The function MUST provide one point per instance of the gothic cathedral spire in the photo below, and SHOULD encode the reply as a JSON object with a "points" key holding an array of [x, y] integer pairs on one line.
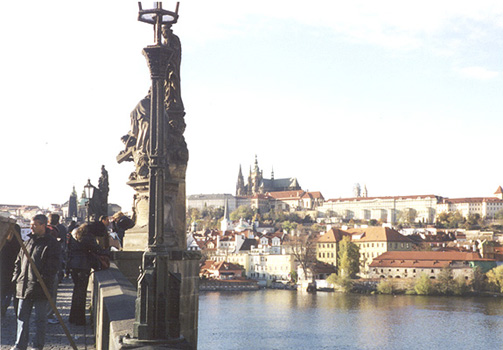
{"points": [[240, 185]]}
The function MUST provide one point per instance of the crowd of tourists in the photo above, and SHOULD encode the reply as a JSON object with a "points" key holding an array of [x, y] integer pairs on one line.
{"points": [[31, 270]]}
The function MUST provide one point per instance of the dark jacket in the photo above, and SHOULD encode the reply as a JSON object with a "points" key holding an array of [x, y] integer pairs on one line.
{"points": [[8, 256], [78, 252], [121, 225], [45, 252]]}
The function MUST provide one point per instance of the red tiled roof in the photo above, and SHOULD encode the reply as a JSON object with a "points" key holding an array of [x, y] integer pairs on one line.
{"points": [[226, 266], [313, 195], [423, 259], [378, 234], [470, 200], [333, 235], [384, 197], [261, 196], [499, 190], [286, 194], [321, 267]]}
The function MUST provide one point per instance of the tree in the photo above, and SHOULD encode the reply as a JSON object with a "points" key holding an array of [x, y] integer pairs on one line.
{"points": [[408, 216], [478, 281], [244, 211], [459, 287], [210, 217], [348, 258], [499, 214], [288, 226], [307, 219], [303, 249], [445, 283], [317, 228], [332, 279], [449, 220], [423, 285], [474, 221], [495, 277], [342, 283], [193, 214], [385, 287]]}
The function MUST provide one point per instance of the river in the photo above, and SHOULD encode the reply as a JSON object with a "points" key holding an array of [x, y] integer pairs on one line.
{"points": [[280, 319]]}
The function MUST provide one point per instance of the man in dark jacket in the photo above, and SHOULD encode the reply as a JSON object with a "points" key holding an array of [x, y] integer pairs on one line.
{"points": [[44, 250]]}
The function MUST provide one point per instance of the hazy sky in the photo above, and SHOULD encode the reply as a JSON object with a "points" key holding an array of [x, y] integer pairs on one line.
{"points": [[404, 97]]}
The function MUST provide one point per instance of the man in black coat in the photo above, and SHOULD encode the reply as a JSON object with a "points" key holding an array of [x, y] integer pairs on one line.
{"points": [[45, 251]]}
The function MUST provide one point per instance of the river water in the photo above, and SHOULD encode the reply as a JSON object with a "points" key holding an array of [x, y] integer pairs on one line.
{"points": [[280, 319]]}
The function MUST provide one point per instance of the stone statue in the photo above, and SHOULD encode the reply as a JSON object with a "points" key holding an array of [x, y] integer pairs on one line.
{"points": [[176, 147], [175, 152], [104, 189], [138, 139]]}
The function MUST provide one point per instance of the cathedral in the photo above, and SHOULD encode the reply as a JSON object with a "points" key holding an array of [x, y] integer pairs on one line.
{"points": [[256, 183]]}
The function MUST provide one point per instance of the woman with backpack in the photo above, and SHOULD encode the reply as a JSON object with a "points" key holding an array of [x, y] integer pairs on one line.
{"points": [[82, 243]]}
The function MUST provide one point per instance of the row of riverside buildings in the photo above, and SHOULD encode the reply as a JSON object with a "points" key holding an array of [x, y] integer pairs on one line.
{"points": [[269, 256]]}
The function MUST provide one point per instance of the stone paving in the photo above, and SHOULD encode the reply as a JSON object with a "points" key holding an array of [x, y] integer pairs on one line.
{"points": [[55, 337]]}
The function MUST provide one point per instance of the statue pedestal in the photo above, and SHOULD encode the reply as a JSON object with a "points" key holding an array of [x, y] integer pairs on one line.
{"points": [[136, 238], [166, 306]]}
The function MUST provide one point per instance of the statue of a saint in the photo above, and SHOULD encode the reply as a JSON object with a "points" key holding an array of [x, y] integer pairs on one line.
{"points": [[137, 139]]}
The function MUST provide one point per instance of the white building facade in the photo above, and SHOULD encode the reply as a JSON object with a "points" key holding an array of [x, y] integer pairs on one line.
{"points": [[385, 209]]}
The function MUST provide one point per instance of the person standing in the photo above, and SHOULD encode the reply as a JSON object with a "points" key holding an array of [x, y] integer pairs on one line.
{"points": [[104, 224], [7, 259], [44, 251], [60, 230], [121, 223], [81, 244]]}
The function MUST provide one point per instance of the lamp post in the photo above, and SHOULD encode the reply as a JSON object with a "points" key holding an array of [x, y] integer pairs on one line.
{"points": [[89, 191], [166, 306], [157, 315]]}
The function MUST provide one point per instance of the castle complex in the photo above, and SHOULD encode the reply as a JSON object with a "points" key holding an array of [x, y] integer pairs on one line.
{"points": [[257, 184]]}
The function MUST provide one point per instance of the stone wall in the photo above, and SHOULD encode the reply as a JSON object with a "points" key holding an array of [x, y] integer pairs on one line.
{"points": [[114, 297], [113, 303]]}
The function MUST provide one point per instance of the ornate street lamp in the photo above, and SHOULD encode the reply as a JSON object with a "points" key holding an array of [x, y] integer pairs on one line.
{"points": [[89, 191], [167, 294]]}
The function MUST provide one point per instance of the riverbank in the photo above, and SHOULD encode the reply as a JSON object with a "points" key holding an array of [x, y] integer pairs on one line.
{"points": [[227, 285]]}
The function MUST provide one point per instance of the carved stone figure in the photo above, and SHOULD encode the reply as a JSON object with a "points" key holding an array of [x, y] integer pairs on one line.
{"points": [[175, 152], [138, 138], [103, 187]]}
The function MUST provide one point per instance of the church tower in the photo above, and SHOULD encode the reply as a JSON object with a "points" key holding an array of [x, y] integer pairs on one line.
{"points": [[499, 192], [365, 193], [225, 224], [256, 178], [240, 185]]}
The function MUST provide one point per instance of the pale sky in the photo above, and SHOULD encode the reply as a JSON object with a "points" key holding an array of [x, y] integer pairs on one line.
{"points": [[403, 97]]}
